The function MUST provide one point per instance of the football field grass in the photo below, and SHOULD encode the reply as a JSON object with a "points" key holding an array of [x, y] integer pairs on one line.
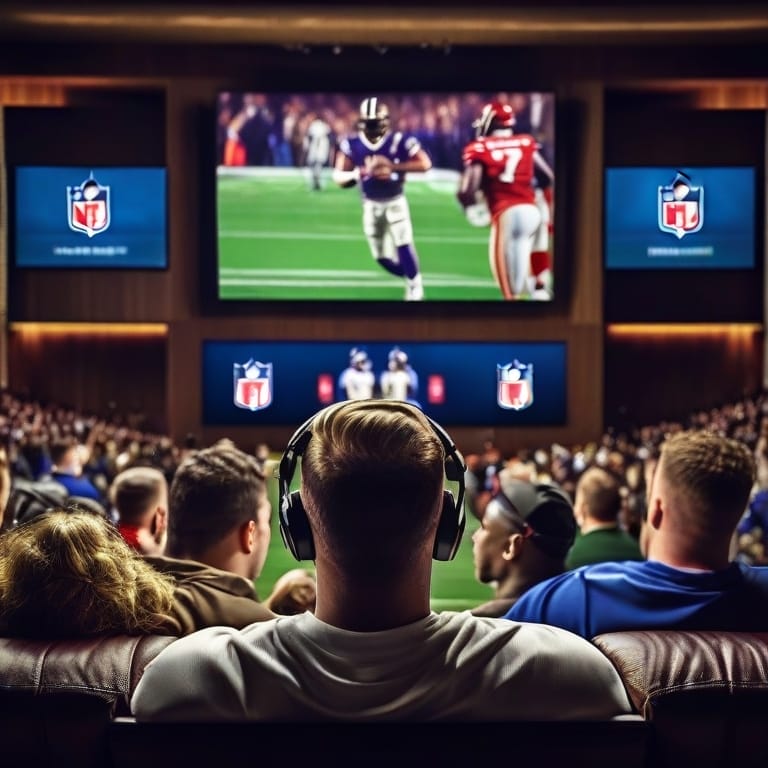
{"points": [[454, 586], [279, 239]]}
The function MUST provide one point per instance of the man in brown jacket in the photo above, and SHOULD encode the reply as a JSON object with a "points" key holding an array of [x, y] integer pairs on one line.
{"points": [[218, 537]]}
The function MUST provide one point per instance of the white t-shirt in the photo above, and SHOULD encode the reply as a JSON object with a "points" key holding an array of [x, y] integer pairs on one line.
{"points": [[447, 666]]}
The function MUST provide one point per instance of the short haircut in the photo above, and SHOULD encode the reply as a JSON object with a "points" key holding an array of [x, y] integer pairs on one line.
{"points": [[59, 449], [213, 491], [372, 479], [712, 477], [70, 574], [134, 491], [602, 493]]}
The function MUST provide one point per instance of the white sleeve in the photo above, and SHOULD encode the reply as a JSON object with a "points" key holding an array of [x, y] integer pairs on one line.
{"points": [[197, 677]]}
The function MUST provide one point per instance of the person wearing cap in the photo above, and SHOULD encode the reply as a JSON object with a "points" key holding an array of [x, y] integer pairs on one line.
{"points": [[597, 508], [698, 492], [526, 530]]}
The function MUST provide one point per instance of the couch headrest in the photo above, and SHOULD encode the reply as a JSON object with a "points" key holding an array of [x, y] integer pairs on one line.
{"points": [[109, 667], [657, 665]]}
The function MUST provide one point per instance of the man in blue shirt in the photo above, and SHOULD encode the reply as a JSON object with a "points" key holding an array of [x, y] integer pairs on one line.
{"points": [[698, 493]]}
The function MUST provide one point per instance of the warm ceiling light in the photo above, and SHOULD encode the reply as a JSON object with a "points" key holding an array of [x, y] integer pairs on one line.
{"points": [[90, 329]]}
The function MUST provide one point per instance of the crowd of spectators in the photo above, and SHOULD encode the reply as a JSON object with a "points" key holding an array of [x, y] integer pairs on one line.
{"points": [[625, 455], [259, 129], [33, 433], [111, 530]]}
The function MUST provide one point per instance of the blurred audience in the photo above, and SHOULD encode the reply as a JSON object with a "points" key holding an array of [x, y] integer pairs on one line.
{"points": [[67, 469]]}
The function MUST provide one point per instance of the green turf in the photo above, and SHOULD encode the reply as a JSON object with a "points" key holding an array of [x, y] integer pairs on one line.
{"points": [[454, 586], [280, 239]]}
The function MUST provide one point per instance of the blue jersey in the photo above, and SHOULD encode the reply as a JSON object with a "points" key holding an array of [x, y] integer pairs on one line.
{"points": [[618, 596], [396, 146]]}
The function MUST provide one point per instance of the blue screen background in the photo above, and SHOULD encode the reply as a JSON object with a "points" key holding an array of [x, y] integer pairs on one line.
{"points": [[468, 371], [137, 221], [632, 214]]}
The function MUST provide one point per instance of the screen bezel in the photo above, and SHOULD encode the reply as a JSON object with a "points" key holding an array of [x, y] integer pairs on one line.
{"points": [[462, 73]]}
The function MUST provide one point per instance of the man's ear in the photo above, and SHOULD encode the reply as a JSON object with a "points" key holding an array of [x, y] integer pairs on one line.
{"points": [[248, 536], [655, 513], [159, 523], [579, 513], [514, 547]]}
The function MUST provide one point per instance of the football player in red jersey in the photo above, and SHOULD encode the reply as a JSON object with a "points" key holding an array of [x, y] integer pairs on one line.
{"points": [[500, 165]]}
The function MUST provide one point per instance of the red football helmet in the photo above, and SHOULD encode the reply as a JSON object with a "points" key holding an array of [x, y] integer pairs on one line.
{"points": [[494, 116]]}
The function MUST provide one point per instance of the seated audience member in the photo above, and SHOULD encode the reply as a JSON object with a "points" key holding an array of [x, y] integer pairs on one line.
{"points": [[218, 538], [67, 469], [597, 508], [698, 493], [139, 496], [526, 531], [68, 573], [372, 512]]}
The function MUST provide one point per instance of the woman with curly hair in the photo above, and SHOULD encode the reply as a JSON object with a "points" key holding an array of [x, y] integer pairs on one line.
{"points": [[70, 574]]}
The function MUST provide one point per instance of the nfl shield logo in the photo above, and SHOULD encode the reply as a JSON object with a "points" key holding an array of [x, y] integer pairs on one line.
{"points": [[514, 385], [253, 385], [681, 206], [88, 207]]}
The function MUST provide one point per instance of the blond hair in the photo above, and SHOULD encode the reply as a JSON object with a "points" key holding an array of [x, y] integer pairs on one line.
{"points": [[372, 477], [70, 574], [712, 478]]}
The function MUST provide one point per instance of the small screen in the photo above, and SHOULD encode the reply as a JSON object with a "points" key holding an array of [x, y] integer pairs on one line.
{"points": [[83, 217], [680, 218], [457, 383]]}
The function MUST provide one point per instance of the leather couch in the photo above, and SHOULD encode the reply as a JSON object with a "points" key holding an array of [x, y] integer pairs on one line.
{"points": [[58, 698], [705, 694], [701, 699]]}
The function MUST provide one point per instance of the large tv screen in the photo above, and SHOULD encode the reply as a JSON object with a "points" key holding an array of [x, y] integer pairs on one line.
{"points": [[312, 204], [89, 217], [680, 218], [455, 383]]}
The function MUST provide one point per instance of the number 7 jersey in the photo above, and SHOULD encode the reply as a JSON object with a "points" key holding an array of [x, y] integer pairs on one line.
{"points": [[507, 168]]}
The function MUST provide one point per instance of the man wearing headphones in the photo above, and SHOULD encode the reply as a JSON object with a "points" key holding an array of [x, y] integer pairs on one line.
{"points": [[526, 532], [372, 512]]}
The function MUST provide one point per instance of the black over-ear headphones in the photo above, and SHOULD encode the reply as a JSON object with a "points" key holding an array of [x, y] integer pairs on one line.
{"points": [[294, 525]]}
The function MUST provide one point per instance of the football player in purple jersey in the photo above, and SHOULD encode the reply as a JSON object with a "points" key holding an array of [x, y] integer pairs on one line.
{"points": [[379, 159]]}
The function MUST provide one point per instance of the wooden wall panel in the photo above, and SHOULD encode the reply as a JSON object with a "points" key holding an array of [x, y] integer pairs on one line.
{"points": [[652, 375], [95, 373]]}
